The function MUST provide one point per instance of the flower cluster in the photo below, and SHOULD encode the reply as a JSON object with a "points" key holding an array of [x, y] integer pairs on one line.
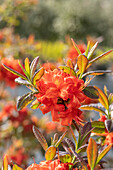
{"points": [[61, 94]]}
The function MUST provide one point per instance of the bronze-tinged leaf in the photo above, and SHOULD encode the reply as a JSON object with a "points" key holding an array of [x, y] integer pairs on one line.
{"points": [[16, 167], [27, 67], [73, 135], [33, 66], [70, 143], [99, 126], [55, 139], [82, 148], [103, 98], [96, 72], [103, 153], [76, 47], [37, 76], [92, 107], [66, 158], [91, 92], [60, 139], [22, 82], [14, 72], [68, 70], [66, 147], [24, 100], [70, 64], [92, 153], [110, 98], [82, 63], [108, 124], [99, 57], [92, 50], [5, 163], [50, 153], [40, 138]]}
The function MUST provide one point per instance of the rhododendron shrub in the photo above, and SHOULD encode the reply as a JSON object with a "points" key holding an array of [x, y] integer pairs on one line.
{"points": [[65, 92]]}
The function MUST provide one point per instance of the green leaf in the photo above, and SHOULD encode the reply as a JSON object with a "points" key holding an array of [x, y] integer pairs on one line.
{"points": [[103, 98], [22, 82], [60, 139], [76, 47], [92, 107], [23, 69], [87, 50], [40, 138], [33, 65], [96, 72], [92, 50], [27, 67], [15, 72], [73, 135], [92, 153], [103, 153], [16, 167], [99, 126], [55, 139], [37, 76], [5, 163], [91, 92], [70, 64], [99, 57], [68, 70], [110, 98], [65, 158], [82, 148], [82, 62], [24, 100], [35, 106], [50, 153]]}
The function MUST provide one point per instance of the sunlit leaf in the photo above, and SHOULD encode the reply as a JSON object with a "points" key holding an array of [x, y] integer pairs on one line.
{"points": [[99, 126], [22, 82], [92, 50], [82, 62], [92, 153], [35, 106], [68, 70], [110, 98], [33, 65], [15, 72], [103, 98], [66, 158], [76, 47], [87, 50], [92, 107], [103, 153], [5, 163], [60, 139], [24, 100], [16, 167], [37, 76], [27, 67], [55, 139], [96, 72], [82, 148], [23, 69], [91, 92], [70, 64], [40, 138], [50, 153]]}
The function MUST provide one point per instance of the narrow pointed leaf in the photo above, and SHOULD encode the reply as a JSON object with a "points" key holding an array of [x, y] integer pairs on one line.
{"points": [[24, 100], [35, 106], [23, 69], [96, 72], [103, 153], [76, 47], [82, 148], [5, 163], [73, 135], [99, 57], [87, 50], [110, 98], [70, 64], [15, 72], [33, 65], [40, 138], [60, 139], [55, 139], [92, 107], [103, 98], [108, 124], [50, 153], [16, 167], [70, 143], [27, 67], [91, 92], [68, 70], [99, 126], [22, 82], [37, 76], [92, 153], [82, 62], [92, 50]]}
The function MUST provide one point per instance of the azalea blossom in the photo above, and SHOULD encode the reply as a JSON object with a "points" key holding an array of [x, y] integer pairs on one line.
{"points": [[61, 94]]}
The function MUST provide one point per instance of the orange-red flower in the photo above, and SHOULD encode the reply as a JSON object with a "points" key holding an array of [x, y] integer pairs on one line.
{"points": [[49, 165], [61, 94], [73, 54]]}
